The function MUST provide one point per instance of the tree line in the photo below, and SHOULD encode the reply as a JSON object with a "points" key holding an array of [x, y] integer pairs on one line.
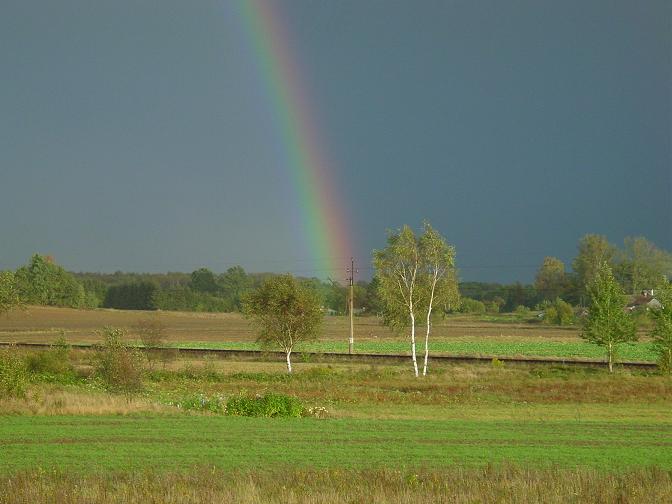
{"points": [[416, 282], [556, 289]]}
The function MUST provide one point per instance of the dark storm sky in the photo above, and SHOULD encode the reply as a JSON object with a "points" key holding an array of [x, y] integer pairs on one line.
{"points": [[134, 135]]}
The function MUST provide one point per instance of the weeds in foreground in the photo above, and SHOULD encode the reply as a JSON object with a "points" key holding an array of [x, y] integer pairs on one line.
{"points": [[294, 486], [14, 374]]}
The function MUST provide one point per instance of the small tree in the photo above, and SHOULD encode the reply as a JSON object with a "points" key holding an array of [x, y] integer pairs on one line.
{"points": [[438, 277], [119, 366], [607, 323], [9, 293], [397, 270], [286, 313], [661, 334], [152, 334]]}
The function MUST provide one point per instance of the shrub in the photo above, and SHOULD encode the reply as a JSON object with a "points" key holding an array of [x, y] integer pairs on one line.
{"points": [[469, 305], [53, 362], [119, 366], [13, 373], [558, 312], [269, 405], [201, 402], [492, 306]]}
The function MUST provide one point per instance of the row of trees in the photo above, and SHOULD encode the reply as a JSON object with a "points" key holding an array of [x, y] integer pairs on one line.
{"points": [[637, 266], [610, 326], [416, 279]]}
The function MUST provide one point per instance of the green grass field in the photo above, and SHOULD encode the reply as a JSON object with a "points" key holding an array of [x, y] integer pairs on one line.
{"points": [[560, 349], [86, 443]]}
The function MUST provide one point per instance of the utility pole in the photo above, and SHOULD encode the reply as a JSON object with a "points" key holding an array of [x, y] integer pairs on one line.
{"points": [[352, 271]]}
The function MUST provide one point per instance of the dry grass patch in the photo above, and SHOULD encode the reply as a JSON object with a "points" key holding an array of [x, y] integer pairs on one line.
{"points": [[56, 400], [456, 485]]}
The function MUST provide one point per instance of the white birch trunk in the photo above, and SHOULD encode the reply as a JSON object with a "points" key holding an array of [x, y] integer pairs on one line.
{"points": [[610, 355], [429, 326], [415, 361], [424, 368], [289, 362]]}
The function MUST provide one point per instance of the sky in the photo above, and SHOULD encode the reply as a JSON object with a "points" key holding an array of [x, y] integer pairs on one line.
{"points": [[139, 135]]}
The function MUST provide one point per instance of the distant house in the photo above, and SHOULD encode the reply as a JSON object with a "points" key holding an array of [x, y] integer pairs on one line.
{"points": [[644, 301]]}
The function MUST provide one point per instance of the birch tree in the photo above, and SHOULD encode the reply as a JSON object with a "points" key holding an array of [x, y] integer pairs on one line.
{"points": [[286, 313], [438, 278], [397, 270], [607, 323]]}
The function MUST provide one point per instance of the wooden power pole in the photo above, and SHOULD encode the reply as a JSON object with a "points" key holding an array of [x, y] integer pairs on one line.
{"points": [[351, 306]]}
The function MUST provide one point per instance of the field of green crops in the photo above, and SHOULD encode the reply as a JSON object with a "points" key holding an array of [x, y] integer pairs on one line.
{"points": [[178, 442], [570, 349]]}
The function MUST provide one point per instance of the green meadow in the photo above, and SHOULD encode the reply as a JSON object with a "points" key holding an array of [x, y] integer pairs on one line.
{"points": [[560, 349], [169, 442]]}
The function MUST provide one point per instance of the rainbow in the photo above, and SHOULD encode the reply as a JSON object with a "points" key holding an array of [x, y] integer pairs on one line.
{"points": [[322, 218]]}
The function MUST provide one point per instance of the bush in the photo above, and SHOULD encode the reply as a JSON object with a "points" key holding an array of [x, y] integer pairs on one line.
{"points": [[13, 373], [201, 402], [53, 362], [492, 306], [558, 312], [269, 405], [119, 366], [469, 305]]}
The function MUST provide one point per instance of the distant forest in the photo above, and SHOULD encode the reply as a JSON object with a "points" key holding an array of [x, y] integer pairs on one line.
{"points": [[639, 265]]}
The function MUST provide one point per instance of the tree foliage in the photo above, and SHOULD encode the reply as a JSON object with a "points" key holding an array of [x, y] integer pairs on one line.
{"points": [[415, 275], [438, 278], [397, 270], [594, 250], [661, 333], [131, 296], [204, 280], [642, 265], [551, 279], [9, 292], [234, 284], [42, 282], [607, 323], [558, 312], [286, 313]]}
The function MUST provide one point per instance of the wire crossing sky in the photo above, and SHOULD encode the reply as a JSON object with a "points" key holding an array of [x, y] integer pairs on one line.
{"points": [[288, 135]]}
